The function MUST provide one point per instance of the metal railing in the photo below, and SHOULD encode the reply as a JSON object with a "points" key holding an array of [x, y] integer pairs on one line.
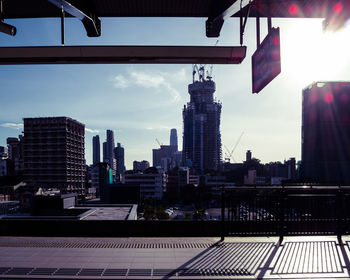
{"points": [[286, 210]]}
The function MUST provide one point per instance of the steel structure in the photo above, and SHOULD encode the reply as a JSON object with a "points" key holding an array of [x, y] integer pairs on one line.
{"points": [[89, 13]]}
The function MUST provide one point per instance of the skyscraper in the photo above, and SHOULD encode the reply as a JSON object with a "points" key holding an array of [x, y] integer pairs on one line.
{"points": [[108, 151], [173, 137], [201, 118], [326, 133], [119, 156], [104, 150], [15, 152], [110, 147], [54, 153], [96, 158]]}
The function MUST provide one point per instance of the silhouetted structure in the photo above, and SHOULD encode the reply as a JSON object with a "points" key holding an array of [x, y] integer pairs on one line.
{"points": [[119, 156], [163, 156], [15, 152], [326, 133], [54, 153], [140, 165], [201, 118], [173, 137], [96, 149], [110, 157]]}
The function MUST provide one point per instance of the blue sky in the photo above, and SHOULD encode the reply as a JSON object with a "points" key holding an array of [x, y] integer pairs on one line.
{"points": [[143, 102]]}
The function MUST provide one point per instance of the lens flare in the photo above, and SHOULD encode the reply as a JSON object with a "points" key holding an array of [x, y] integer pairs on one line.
{"points": [[328, 98], [293, 9], [337, 8]]}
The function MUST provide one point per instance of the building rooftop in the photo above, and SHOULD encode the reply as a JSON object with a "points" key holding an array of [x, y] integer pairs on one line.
{"points": [[122, 212], [174, 258]]}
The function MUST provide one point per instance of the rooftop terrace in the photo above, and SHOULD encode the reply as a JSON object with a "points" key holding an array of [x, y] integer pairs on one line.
{"points": [[170, 258]]}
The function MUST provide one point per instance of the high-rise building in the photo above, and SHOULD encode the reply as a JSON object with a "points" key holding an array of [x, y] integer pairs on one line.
{"points": [[164, 153], [54, 153], [110, 147], [201, 131], [96, 149], [173, 137], [15, 152], [108, 151], [104, 151], [119, 156], [3, 152], [326, 133]]}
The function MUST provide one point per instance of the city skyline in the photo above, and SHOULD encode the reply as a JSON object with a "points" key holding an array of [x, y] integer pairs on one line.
{"points": [[145, 101]]}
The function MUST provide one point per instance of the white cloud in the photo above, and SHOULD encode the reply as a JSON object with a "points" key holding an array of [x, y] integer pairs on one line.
{"points": [[91, 130], [12, 125], [121, 82], [156, 80]]}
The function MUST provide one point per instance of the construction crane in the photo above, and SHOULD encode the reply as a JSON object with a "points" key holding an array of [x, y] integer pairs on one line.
{"points": [[203, 75], [160, 145], [230, 153]]}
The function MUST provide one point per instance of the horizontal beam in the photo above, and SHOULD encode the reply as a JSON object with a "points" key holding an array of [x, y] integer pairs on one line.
{"points": [[122, 55]]}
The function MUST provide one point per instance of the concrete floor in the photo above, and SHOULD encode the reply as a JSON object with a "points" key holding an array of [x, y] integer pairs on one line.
{"points": [[174, 258]]}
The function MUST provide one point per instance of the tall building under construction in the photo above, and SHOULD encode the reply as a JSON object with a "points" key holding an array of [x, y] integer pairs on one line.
{"points": [[201, 117]]}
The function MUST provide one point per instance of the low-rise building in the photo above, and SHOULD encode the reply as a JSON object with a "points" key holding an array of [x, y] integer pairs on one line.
{"points": [[152, 182]]}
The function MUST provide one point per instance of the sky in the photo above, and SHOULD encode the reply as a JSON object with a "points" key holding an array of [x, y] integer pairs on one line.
{"points": [[141, 103]]}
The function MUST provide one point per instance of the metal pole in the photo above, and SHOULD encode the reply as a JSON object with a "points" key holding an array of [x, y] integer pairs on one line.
{"points": [[339, 209], [281, 215], [1, 11], [269, 24], [222, 214], [257, 32], [241, 29], [62, 26]]}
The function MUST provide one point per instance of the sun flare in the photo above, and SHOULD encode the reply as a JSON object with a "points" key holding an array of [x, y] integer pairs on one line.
{"points": [[314, 55]]}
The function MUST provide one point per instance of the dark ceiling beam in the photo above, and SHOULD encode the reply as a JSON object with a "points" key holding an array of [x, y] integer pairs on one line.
{"points": [[215, 22], [89, 19], [122, 55]]}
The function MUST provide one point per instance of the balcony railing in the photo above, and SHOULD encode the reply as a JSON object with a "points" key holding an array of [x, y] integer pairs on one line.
{"points": [[290, 210]]}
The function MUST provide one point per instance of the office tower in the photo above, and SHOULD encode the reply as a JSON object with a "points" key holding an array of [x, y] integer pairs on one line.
{"points": [[104, 150], [201, 126], [3, 152], [54, 153], [96, 158], [326, 133], [164, 153], [110, 147], [173, 137], [15, 152], [119, 156], [109, 151]]}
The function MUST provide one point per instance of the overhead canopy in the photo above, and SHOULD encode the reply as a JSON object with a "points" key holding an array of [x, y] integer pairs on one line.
{"points": [[121, 54], [168, 8]]}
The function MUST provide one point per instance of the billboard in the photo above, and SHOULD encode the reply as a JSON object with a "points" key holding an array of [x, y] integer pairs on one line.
{"points": [[266, 60]]}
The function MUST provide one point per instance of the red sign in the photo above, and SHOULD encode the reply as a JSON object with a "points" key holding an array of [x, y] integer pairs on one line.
{"points": [[266, 60]]}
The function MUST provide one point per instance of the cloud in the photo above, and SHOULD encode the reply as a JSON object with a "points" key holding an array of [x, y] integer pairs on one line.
{"points": [[155, 80], [12, 125], [121, 82], [91, 130]]}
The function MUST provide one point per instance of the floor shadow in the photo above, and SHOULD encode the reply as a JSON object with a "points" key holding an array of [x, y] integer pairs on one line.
{"points": [[226, 259]]}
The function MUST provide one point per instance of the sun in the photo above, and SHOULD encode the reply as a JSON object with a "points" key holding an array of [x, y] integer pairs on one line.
{"points": [[309, 54]]}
